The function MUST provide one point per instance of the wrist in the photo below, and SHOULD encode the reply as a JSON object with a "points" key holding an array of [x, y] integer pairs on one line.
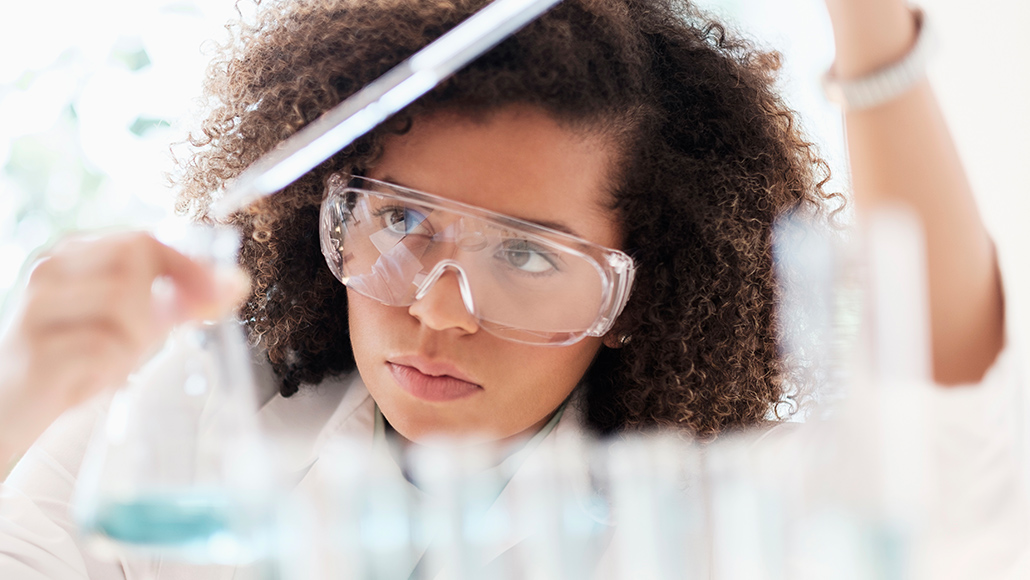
{"points": [[870, 35], [890, 81]]}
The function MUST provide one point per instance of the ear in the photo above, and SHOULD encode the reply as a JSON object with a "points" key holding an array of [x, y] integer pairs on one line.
{"points": [[616, 339]]}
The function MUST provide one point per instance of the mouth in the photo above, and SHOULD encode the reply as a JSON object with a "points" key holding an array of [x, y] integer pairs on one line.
{"points": [[429, 381]]}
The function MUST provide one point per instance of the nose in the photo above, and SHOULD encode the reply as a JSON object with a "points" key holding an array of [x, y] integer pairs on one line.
{"points": [[441, 304]]}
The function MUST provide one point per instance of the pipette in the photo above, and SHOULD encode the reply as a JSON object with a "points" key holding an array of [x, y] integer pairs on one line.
{"points": [[363, 111]]}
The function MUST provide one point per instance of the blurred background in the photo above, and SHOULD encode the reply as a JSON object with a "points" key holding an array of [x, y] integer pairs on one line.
{"points": [[92, 94]]}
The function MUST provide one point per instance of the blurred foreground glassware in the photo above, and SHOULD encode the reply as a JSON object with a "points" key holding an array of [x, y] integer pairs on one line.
{"points": [[448, 509], [354, 516], [868, 473], [177, 468], [656, 489]]}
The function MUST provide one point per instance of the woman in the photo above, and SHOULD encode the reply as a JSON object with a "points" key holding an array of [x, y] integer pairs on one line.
{"points": [[637, 127]]}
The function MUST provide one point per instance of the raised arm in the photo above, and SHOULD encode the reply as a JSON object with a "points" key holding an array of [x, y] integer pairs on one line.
{"points": [[901, 152]]}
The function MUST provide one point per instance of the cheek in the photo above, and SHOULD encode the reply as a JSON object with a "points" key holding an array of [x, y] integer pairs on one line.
{"points": [[370, 323], [540, 378], [536, 380], [573, 364]]}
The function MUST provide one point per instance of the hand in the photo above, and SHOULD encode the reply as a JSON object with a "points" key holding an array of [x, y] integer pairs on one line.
{"points": [[88, 318]]}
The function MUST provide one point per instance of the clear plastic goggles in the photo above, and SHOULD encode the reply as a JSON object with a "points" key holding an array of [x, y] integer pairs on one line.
{"points": [[521, 281]]}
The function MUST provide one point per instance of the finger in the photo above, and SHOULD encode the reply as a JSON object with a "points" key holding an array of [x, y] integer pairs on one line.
{"points": [[136, 260], [202, 291], [91, 356], [111, 301], [78, 256], [65, 359]]}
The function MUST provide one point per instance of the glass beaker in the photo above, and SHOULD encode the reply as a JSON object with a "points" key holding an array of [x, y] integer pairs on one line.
{"points": [[178, 468]]}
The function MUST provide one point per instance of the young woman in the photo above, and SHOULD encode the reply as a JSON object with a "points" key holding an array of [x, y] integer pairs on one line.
{"points": [[483, 237]]}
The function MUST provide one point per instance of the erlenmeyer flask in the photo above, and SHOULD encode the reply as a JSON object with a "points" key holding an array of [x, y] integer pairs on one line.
{"points": [[178, 469]]}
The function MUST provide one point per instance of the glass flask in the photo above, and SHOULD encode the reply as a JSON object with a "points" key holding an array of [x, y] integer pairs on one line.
{"points": [[177, 467]]}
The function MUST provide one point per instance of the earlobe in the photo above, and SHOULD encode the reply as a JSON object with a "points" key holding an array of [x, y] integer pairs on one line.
{"points": [[616, 339]]}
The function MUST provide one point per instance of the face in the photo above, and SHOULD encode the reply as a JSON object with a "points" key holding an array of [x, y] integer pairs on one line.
{"points": [[432, 370]]}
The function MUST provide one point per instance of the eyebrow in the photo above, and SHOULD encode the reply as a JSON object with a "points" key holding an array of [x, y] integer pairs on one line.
{"points": [[556, 226]]}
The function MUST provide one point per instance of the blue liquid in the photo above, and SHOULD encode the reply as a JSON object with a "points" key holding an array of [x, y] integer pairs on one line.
{"points": [[164, 520]]}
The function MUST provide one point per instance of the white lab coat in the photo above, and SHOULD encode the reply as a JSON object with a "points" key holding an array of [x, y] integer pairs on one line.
{"points": [[38, 538]]}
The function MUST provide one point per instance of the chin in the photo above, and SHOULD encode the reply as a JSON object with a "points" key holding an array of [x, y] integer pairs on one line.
{"points": [[426, 423]]}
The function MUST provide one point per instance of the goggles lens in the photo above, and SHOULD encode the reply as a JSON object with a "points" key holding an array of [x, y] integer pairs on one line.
{"points": [[521, 281]]}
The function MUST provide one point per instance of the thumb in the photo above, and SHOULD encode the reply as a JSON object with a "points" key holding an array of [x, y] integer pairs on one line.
{"points": [[230, 286], [194, 290]]}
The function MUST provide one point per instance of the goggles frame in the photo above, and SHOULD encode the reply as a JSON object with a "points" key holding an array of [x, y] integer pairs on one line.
{"points": [[615, 268]]}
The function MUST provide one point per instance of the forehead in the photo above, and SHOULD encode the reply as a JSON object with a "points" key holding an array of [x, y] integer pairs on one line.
{"points": [[517, 161]]}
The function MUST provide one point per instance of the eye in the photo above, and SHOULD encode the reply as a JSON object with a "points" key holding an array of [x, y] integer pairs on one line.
{"points": [[527, 256], [402, 221]]}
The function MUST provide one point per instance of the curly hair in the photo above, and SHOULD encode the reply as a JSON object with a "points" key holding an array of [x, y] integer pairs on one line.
{"points": [[710, 157]]}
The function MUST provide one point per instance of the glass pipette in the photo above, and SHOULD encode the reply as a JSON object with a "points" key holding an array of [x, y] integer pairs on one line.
{"points": [[373, 104]]}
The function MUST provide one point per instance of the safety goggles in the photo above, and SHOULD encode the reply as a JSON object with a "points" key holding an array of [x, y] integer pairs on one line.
{"points": [[521, 281]]}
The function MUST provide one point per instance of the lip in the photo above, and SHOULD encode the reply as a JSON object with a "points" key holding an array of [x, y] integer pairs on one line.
{"points": [[434, 381]]}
